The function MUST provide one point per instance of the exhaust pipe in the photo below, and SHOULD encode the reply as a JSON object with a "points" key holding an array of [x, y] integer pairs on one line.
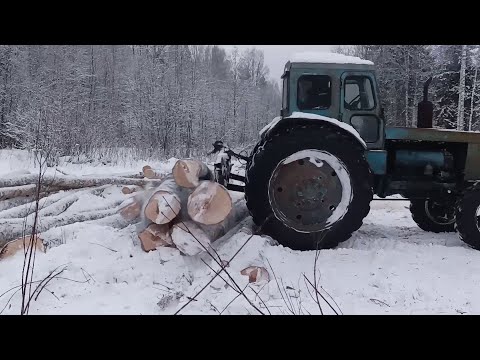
{"points": [[425, 109]]}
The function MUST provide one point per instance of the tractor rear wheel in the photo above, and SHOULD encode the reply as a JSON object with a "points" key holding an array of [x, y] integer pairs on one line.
{"points": [[467, 217], [309, 186], [433, 215]]}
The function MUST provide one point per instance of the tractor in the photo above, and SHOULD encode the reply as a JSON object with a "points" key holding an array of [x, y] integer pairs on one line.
{"points": [[311, 177]]}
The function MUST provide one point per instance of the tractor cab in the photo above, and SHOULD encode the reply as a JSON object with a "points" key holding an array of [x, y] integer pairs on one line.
{"points": [[335, 86]]}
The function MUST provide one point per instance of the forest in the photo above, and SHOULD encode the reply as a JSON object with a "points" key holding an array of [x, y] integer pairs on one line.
{"points": [[158, 100], [176, 100]]}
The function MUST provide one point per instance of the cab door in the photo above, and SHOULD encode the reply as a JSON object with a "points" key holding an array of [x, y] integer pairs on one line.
{"points": [[360, 107]]}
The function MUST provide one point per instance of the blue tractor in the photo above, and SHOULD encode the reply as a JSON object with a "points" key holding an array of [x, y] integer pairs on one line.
{"points": [[311, 177]]}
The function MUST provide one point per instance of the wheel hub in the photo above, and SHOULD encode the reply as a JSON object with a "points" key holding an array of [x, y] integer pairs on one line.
{"points": [[305, 190], [440, 213]]}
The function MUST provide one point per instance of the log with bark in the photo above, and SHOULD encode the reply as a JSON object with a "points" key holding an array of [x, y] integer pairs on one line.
{"points": [[192, 238], [167, 201], [151, 173], [189, 173], [27, 185], [155, 236]]}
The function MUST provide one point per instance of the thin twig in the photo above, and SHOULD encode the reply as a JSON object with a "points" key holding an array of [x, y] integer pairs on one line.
{"points": [[214, 277], [106, 247], [235, 298]]}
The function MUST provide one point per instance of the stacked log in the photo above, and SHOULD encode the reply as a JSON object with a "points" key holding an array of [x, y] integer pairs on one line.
{"points": [[187, 210]]}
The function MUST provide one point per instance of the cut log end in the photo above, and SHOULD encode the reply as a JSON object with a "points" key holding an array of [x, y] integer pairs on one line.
{"points": [[155, 236], [209, 204], [162, 207], [13, 247], [130, 189], [189, 173]]}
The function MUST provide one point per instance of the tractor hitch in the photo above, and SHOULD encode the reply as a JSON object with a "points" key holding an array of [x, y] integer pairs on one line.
{"points": [[223, 166]]}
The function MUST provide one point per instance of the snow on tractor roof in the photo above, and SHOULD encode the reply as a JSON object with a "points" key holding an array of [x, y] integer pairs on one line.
{"points": [[327, 58]]}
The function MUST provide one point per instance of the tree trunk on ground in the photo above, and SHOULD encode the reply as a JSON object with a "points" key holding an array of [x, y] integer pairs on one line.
{"points": [[21, 186], [71, 182]]}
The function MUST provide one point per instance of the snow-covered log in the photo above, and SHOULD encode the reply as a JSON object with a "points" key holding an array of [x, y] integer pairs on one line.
{"points": [[209, 204], [26, 185], [28, 208], [131, 209], [13, 228], [189, 236], [17, 191], [189, 173]]}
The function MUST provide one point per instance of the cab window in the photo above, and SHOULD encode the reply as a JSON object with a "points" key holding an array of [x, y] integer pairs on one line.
{"points": [[314, 92], [358, 93]]}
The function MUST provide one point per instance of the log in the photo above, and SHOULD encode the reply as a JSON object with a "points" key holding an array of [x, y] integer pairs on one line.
{"points": [[26, 185], [131, 189], [131, 209], [155, 236], [21, 244], [238, 213], [209, 204], [189, 173], [28, 208], [187, 234], [150, 173], [166, 203], [13, 228], [187, 237]]}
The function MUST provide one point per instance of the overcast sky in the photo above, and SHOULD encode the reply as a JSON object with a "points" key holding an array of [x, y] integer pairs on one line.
{"points": [[276, 56]]}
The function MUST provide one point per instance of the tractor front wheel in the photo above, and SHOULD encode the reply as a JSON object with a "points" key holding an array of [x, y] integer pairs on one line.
{"points": [[309, 186], [467, 217], [433, 215]]}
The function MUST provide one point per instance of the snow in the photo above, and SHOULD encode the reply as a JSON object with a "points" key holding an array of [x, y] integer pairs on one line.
{"points": [[342, 173], [389, 266], [327, 58], [296, 115]]}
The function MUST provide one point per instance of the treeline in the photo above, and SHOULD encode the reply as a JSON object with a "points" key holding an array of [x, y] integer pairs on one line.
{"points": [[403, 69], [166, 100]]}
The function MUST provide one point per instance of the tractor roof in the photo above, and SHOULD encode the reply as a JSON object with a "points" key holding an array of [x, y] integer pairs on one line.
{"points": [[328, 60]]}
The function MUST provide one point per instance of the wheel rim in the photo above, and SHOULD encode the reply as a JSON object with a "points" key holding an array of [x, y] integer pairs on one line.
{"points": [[439, 213], [310, 190]]}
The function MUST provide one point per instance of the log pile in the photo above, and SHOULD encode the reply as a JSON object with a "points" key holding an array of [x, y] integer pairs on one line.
{"points": [[187, 210]]}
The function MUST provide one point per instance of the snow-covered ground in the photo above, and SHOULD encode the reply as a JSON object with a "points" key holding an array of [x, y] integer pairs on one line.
{"points": [[389, 266]]}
